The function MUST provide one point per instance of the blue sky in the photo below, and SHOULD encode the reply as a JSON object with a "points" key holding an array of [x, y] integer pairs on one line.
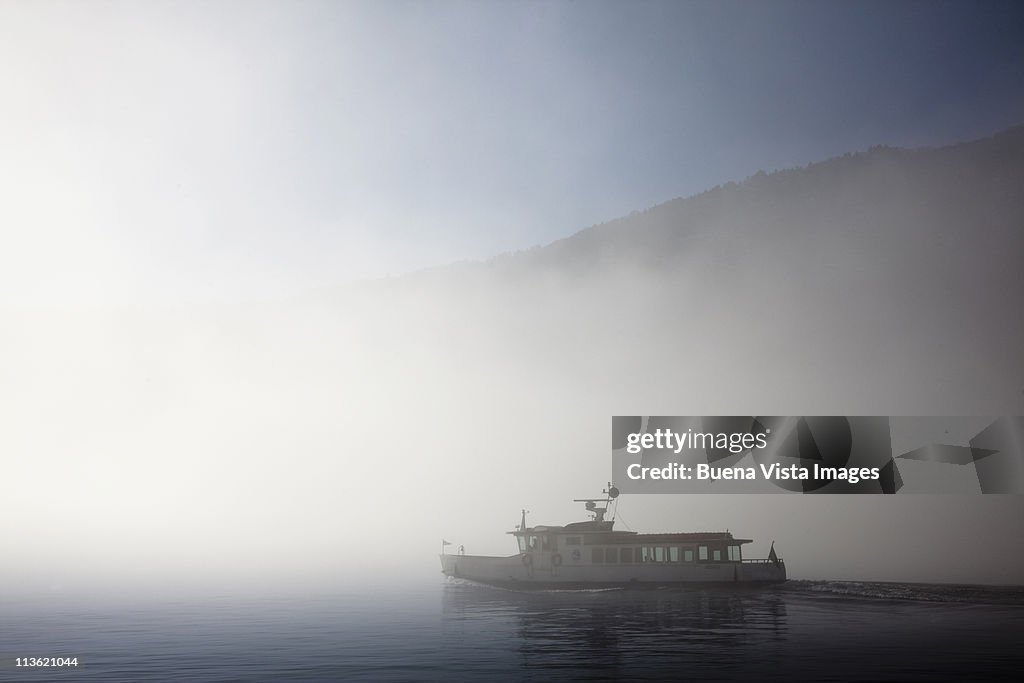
{"points": [[229, 151]]}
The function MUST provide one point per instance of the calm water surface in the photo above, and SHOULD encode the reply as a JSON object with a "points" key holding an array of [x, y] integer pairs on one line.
{"points": [[451, 631]]}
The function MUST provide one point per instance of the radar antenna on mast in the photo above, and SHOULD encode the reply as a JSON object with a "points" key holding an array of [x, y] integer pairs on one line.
{"points": [[591, 504]]}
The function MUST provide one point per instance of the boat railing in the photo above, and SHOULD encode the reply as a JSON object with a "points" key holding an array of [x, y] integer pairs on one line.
{"points": [[780, 561]]}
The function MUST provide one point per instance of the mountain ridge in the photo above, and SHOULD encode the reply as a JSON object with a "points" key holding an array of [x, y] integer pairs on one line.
{"points": [[860, 270], [605, 238]]}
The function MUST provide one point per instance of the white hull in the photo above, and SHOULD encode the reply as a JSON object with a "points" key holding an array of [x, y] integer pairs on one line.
{"points": [[541, 571]]}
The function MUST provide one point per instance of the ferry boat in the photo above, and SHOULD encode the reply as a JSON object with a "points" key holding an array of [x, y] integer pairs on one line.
{"points": [[592, 554]]}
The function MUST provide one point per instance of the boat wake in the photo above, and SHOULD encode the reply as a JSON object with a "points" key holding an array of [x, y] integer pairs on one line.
{"points": [[917, 592]]}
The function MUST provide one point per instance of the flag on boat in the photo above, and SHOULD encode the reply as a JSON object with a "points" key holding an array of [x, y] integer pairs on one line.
{"points": [[444, 542], [771, 554]]}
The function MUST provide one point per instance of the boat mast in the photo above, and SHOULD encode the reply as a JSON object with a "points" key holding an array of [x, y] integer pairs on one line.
{"points": [[611, 494]]}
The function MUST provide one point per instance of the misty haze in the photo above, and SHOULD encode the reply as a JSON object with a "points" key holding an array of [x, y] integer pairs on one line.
{"points": [[305, 305], [249, 443]]}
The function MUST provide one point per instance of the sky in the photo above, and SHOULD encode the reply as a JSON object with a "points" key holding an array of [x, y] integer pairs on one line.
{"points": [[191, 152]]}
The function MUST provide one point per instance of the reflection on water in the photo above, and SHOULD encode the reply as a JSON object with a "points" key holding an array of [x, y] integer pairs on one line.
{"points": [[625, 634], [387, 633], [799, 631]]}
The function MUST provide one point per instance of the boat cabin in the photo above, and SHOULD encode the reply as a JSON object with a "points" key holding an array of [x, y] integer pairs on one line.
{"points": [[596, 542], [583, 542]]}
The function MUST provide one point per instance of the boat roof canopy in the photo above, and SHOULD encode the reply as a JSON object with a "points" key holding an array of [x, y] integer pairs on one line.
{"points": [[573, 528], [606, 528], [598, 530]]}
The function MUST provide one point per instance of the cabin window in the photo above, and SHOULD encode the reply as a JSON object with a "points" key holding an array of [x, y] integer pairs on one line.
{"points": [[645, 554], [673, 554], [597, 555], [522, 543], [734, 553], [611, 555], [534, 542], [626, 555], [659, 554], [547, 544], [717, 555], [572, 540], [702, 553], [688, 555]]}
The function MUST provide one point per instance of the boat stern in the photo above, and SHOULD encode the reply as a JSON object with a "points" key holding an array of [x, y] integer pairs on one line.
{"points": [[763, 571]]}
